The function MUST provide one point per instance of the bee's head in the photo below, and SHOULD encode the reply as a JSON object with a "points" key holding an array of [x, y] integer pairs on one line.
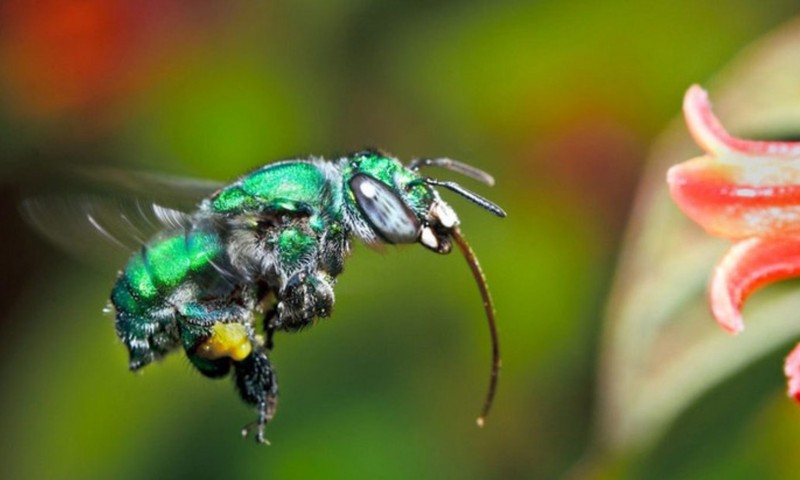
{"points": [[393, 203]]}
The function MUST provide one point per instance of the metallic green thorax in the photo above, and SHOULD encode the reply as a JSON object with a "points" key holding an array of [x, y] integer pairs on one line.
{"points": [[286, 185]]}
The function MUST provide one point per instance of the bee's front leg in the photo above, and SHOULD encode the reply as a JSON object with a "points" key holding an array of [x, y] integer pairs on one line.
{"points": [[305, 297], [257, 385]]}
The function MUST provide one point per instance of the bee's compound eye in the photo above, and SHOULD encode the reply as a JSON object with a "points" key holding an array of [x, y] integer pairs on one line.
{"points": [[385, 210]]}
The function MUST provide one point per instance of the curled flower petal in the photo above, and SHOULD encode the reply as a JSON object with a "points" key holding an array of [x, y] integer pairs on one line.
{"points": [[712, 137], [730, 202], [792, 370], [747, 266], [741, 188]]}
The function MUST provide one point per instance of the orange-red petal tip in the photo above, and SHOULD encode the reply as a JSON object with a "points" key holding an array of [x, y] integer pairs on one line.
{"points": [[792, 370]]}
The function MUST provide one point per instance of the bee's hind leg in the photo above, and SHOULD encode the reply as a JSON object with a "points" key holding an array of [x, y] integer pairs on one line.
{"points": [[257, 385]]}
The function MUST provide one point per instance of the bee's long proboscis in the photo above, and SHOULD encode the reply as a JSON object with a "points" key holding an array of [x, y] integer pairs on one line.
{"points": [[480, 279]]}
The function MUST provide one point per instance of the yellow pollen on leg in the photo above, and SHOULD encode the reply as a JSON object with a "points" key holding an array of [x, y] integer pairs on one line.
{"points": [[227, 340]]}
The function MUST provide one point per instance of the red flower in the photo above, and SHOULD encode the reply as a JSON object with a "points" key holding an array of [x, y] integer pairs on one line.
{"points": [[59, 55], [748, 192]]}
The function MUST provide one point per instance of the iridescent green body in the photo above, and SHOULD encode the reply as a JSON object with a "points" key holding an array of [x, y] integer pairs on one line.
{"points": [[270, 244], [146, 320]]}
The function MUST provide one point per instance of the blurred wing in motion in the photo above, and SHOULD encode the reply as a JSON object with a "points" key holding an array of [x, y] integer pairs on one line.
{"points": [[106, 213]]}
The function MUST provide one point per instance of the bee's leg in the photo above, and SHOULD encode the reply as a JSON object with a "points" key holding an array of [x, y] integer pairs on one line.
{"points": [[305, 297], [270, 333], [269, 328], [257, 385]]}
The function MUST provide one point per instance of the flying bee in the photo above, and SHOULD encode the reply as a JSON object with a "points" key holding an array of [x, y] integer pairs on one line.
{"points": [[270, 245]]}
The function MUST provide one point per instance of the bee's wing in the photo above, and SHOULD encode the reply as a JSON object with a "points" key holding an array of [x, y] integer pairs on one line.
{"points": [[175, 192], [106, 213], [89, 224]]}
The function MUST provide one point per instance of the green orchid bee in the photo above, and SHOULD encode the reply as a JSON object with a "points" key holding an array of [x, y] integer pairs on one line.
{"points": [[262, 254]]}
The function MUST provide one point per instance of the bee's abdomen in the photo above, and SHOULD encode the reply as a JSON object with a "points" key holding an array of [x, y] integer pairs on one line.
{"points": [[145, 316]]}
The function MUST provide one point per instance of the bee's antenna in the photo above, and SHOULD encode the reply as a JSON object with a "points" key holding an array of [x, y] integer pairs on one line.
{"points": [[453, 165], [473, 197], [472, 260]]}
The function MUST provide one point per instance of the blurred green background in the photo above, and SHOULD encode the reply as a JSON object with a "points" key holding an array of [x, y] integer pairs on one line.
{"points": [[560, 100]]}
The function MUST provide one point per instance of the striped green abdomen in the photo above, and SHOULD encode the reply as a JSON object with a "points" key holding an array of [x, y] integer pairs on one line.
{"points": [[145, 320], [158, 269]]}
